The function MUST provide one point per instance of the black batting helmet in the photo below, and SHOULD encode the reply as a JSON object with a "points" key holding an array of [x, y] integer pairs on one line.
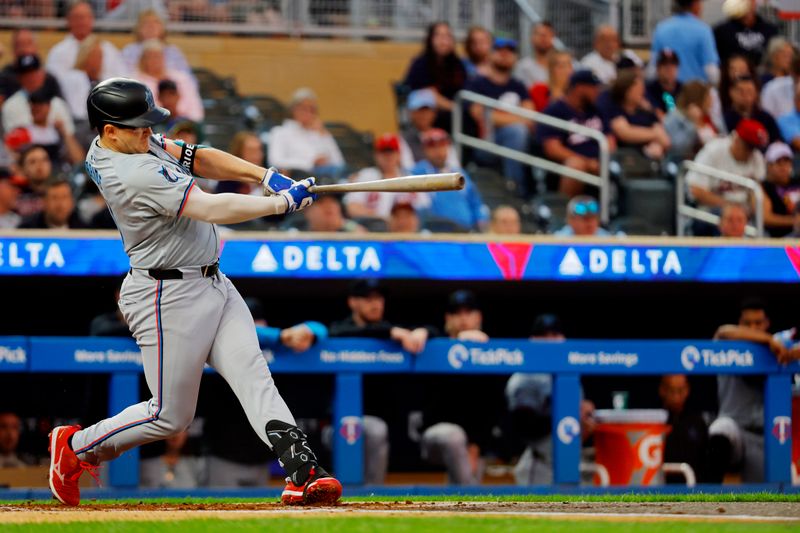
{"points": [[123, 102]]}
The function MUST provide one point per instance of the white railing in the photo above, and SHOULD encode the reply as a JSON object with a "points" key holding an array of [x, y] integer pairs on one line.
{"points": [[600, 181], [685, 212]]}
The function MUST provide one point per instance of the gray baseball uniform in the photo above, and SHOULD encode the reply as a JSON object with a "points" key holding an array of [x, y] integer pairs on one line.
{"points": [[179, 324]]}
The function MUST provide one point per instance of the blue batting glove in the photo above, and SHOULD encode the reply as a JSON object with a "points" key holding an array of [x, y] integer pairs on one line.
{"points": [[298, 196], [274, 182]]}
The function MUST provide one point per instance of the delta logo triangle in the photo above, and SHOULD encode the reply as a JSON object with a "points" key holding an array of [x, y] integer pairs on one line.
{"points": [[571, 265], [264, 260]]}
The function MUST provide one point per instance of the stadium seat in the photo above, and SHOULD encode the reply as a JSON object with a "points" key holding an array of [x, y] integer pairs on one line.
{"points": [[356, 146], [264, 111], [372, 224], [443, 225], [652, 200], [632, 226], [213, 86], [634, 164], [548, 211]]}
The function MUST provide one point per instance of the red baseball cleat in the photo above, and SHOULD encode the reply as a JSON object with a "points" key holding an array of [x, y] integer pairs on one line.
{"points": [[66, 468], [320, 489]]}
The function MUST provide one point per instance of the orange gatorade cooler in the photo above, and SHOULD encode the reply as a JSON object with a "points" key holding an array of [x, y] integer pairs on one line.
{"points": [[630, 445]]}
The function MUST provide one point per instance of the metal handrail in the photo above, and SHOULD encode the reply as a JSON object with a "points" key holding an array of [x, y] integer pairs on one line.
{"points": [[601, 181], [685, 211]]}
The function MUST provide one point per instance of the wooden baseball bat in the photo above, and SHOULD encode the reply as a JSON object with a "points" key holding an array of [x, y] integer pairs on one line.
{"points": [[423, 183]]}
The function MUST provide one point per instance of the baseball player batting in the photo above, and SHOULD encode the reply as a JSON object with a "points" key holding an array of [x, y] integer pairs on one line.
{"points": [[182, 310]]}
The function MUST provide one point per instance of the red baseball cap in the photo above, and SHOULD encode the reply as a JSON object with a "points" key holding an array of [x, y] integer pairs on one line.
{"points": [[18, 138], [752, 132], [435, 136], [387, 142]]}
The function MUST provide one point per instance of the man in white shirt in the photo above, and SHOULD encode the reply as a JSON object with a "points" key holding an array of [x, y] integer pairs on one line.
{"points": [[777, 96], [302, 142], [603, 59], [16, 111], [80, 21], [738, 154], [532, 70]]}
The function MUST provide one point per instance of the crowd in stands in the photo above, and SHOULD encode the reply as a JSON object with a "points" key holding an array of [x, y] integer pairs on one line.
{"points": [[725, 97]]}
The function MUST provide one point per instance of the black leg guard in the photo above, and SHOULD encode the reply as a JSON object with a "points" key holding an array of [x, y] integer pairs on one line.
{"points": [[294, 454]]}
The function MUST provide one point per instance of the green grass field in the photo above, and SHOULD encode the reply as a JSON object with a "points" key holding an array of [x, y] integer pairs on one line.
{"points": [[396, 525]]}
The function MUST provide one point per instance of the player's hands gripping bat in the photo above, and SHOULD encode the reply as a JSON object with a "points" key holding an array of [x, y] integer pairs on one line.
{"points": [[274, 182], [298, 196]]}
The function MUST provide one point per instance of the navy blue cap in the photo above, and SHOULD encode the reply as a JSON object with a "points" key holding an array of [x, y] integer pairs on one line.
{"points": [[546, 323], [505, 42], [584, 77], [361, 288], [462, 299]]}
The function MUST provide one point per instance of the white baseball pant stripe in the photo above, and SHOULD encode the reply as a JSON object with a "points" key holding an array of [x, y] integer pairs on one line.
{"points": [[180, 325]]}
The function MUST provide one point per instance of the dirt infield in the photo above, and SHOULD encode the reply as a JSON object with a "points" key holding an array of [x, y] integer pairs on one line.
{"points": [[619, 511]]}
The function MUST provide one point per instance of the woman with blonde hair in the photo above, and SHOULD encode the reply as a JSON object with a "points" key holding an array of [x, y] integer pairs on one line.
{"points": [[153, 68], [150, 25], [559, 68], [246, 145]]}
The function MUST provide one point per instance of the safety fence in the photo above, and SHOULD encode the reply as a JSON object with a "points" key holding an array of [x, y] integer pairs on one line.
{"points": [[686, 212], [350, 359], [601, 181]]}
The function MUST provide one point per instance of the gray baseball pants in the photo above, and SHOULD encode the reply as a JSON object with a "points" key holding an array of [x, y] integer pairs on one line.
{"points": [[180, 325]]}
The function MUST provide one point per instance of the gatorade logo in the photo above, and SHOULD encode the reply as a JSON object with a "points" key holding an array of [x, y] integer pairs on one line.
{"points": [[690, 356], [568, 429], [457, 355], [651, 451]]}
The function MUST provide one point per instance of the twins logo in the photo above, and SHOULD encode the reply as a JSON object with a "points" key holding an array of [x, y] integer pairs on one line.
{"points": [[457, 355], [782, 428], [568, 429], [351, 428], [690, 356]]}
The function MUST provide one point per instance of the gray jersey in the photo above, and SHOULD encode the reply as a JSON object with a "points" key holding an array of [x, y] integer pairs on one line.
{"points": [[146, 194]]}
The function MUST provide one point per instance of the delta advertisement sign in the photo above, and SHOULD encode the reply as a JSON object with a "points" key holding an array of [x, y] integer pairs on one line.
{"points": [[429, 259]]}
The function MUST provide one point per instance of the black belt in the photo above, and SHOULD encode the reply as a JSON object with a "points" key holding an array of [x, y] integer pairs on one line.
{"points": [[173, 273]]}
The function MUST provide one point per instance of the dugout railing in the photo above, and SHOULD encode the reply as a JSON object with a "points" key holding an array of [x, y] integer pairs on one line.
{"points": [[350, 359], [461, 138]]}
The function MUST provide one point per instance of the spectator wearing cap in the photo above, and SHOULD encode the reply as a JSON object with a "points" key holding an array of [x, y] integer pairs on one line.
{"points": [[80, 22], [630, 117], [326, 215], [573, 150], [777, 96], [508, 130], [150, 25], [9, 194], [387, 165], [529, 401], [583, 219], [464, 207], [663, 90], [692, 39], [744, 32], [36, 167], [152, 69], [23, 43], [16, 111], [367, 302], [477, 47], [781, 191], [606, 54], [789, 123], [505, 221], [439, 69], [302, 142], [739, 153], [743, 94], [403, 218], [689, 125], [560, 68], [58, 208], [533, 70], [60, 143], [453, 434], [733, 220], [421, 105]]}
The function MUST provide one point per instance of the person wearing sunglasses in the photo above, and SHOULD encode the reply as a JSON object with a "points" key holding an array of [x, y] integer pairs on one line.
{"points": [[583, 219]]}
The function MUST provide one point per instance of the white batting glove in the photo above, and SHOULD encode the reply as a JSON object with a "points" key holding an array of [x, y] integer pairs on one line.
{"points": [[298, 196], [274, 182]]}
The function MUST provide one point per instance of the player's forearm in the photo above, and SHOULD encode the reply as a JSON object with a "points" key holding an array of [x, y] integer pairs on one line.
{"points": [[738, 333], [218, 165], [230, 208]]}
